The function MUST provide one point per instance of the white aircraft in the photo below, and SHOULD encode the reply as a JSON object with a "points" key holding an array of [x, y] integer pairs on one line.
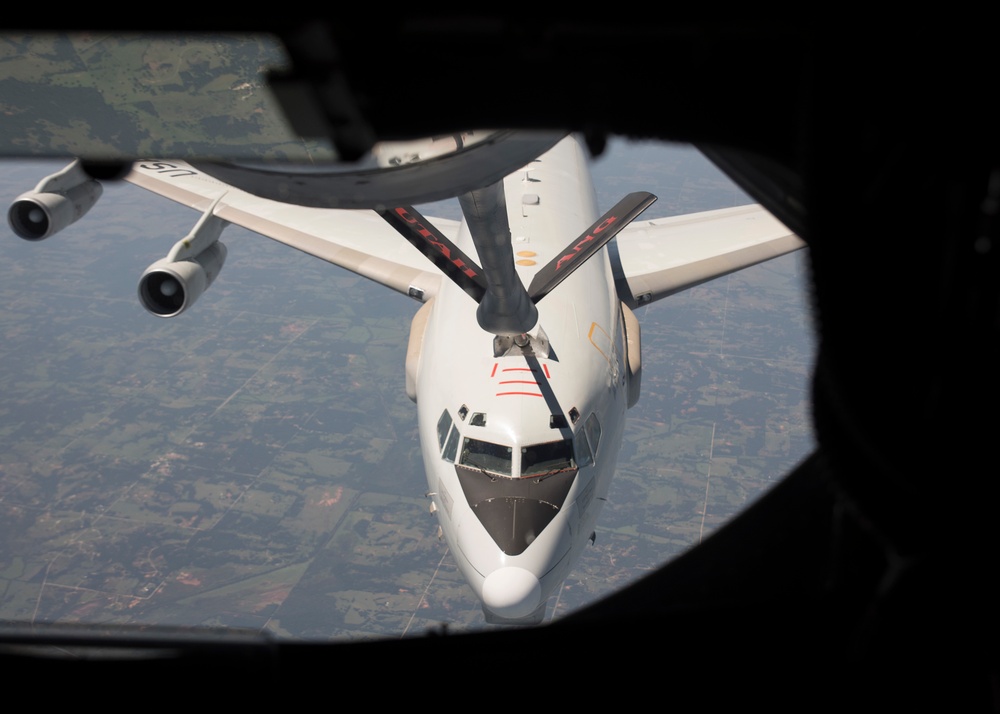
{"points": [[521, 391]]}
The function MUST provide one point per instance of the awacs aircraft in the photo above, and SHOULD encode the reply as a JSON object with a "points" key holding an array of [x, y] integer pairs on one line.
{"points": [[525, 354]]}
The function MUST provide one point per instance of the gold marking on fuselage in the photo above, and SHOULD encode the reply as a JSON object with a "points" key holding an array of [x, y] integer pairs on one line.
{"points": [[606, 338]]}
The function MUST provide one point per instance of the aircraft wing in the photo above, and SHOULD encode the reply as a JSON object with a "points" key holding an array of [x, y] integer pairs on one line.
{"points": [[357, 240], [660, 257]]}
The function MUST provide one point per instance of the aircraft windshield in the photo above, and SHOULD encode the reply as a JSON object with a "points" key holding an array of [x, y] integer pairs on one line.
{"points": [[552, 457], [484, 455]]}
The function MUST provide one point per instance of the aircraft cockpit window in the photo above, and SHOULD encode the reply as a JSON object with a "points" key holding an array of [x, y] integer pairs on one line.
{"points": [[444, 425], [584, 457], [451, 447], [552, 457], [593, 429], [588, 441], [483, 455]]}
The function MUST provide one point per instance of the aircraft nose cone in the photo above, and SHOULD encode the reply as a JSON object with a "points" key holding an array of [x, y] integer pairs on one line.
{"points": [[511, 592]]}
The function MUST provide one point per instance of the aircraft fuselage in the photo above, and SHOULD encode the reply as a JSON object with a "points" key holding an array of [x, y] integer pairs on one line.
{"points": [[520, 444]]}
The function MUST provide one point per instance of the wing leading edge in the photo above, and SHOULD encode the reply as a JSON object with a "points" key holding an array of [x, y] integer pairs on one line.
{"points": [[656, 258], [359, 241], [651, 259]]}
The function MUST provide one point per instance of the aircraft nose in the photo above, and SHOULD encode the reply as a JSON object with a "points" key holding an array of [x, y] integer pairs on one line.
{"points": [[512, 592]]}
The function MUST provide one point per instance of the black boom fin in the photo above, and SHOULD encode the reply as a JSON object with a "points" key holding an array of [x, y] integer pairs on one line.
{"points": [[587, 244], [447, 256]]}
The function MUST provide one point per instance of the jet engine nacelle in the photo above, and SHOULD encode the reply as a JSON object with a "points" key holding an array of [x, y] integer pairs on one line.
{"points": [[58, 200], [171, 285]]}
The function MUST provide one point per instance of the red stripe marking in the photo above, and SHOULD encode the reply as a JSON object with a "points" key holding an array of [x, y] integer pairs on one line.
{"points": [[493, 373], [519, 369], [519, 381], [520, 394], [546, 368]]}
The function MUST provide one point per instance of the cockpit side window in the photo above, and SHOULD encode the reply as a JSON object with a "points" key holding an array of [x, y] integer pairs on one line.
{"points": [[451, 447], [444, 425], [483, 455], [583, 455], [447, 437], [552, 457], [593, 429]]}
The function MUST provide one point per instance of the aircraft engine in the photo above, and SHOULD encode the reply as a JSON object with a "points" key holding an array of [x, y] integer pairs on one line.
{"points": [[171, 285], [59, 200]]}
